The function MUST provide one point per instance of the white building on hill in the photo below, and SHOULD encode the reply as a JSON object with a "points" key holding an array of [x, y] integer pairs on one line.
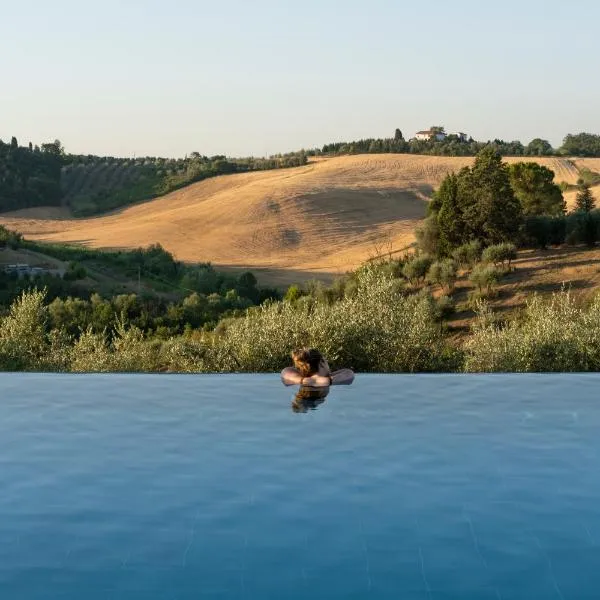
{"points": [[430, 134]]}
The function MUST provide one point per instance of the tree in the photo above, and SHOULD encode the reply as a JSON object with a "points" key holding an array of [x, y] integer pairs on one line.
{"points": [[54, 148], [467, 254], [416, 269], [537, 231], [534, 186], [499, 254], [491, 211], [428, 235], [485, 277], [23, 341], [398, 136], [539, 147], [581, 144], [584, 201], [442, 273], [450, 220]]}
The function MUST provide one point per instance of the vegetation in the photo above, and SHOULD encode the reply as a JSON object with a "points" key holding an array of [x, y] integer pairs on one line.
{"points": [[443, 273], [477, 204], [94, 184], [585, 201], [468, 254], [48, 176], [581, 144], [171, 297], [534, 186], [451, 145], [372, 328], [500, 255], [553, 335], [416, 269], [387, 316], [485, 277], [369, 322], [30, 176], [87, 184]]}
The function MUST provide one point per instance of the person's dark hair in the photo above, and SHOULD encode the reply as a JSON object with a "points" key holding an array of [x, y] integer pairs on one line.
{"points": [[307, 360]]}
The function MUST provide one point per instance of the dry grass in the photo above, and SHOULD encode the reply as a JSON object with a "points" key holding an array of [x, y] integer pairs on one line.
{"points": [[537, 271], [287, 225]]}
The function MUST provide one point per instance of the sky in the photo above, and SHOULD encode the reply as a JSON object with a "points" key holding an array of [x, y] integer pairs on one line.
{"points": [[257, 77]]}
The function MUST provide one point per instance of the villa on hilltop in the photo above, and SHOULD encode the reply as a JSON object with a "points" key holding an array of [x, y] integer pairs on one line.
{"points": [[431, 134], [438, 134]]}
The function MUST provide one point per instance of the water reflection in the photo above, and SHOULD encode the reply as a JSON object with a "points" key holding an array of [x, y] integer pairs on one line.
{"points": [[308, 398]]}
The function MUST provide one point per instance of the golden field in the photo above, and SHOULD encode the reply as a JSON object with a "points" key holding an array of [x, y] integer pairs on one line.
{"points": [[286, 225]]}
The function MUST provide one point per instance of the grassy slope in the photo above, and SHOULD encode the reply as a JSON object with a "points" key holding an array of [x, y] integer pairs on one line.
{"points": [[287, 225], [535, 271]]}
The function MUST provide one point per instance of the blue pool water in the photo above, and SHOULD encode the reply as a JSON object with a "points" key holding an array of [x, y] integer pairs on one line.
{"points": [[412, 487]]}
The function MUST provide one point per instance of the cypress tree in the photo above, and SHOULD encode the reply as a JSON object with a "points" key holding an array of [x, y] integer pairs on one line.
{"points": [[585, 201], [492, 211], [450, 218]]}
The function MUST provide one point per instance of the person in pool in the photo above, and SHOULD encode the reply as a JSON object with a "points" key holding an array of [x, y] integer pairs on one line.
{"points": [[311, 369]]}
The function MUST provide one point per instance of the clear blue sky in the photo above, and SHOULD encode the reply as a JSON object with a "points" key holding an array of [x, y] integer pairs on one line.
{"points": [[241, 77]]}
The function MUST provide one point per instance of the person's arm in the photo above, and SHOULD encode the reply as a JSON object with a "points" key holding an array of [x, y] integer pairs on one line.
{"points": [[317, 381], [290, 376], [342, 377]]}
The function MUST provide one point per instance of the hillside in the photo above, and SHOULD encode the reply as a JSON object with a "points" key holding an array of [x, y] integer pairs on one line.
{"points": [[287, 225]]}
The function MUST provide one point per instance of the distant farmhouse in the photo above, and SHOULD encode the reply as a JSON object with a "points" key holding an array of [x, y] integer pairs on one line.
{"points": [[22, 270], [438, 134], [431, 134]]}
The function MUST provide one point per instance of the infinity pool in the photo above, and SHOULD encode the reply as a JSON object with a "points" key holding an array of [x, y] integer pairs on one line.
{"points": [[404, 487]]}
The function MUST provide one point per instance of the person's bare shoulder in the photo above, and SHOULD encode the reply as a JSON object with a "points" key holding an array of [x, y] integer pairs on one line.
{"points": [[324, 369]]}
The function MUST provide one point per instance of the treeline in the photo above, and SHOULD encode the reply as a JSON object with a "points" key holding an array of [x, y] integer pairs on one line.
{"points": [[29, 176], [88, 184], [581, 144]]}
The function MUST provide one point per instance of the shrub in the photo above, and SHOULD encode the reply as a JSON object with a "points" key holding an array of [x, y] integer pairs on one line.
{"points": [[416, 269], [541, 231], [444, 308], [182, 355], [485, 277], [467, 254], [9, 238], [23, 342], [374, 329], [74, 272], [501, 254], [442, 273], [582, 227], [428, 235], [132, 353], [537, 231], [557, 230], [292, 294], [90, 353], [554, 335]]}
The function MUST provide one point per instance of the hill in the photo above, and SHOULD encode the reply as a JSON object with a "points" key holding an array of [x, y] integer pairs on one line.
{"points": [[287, 225]]}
